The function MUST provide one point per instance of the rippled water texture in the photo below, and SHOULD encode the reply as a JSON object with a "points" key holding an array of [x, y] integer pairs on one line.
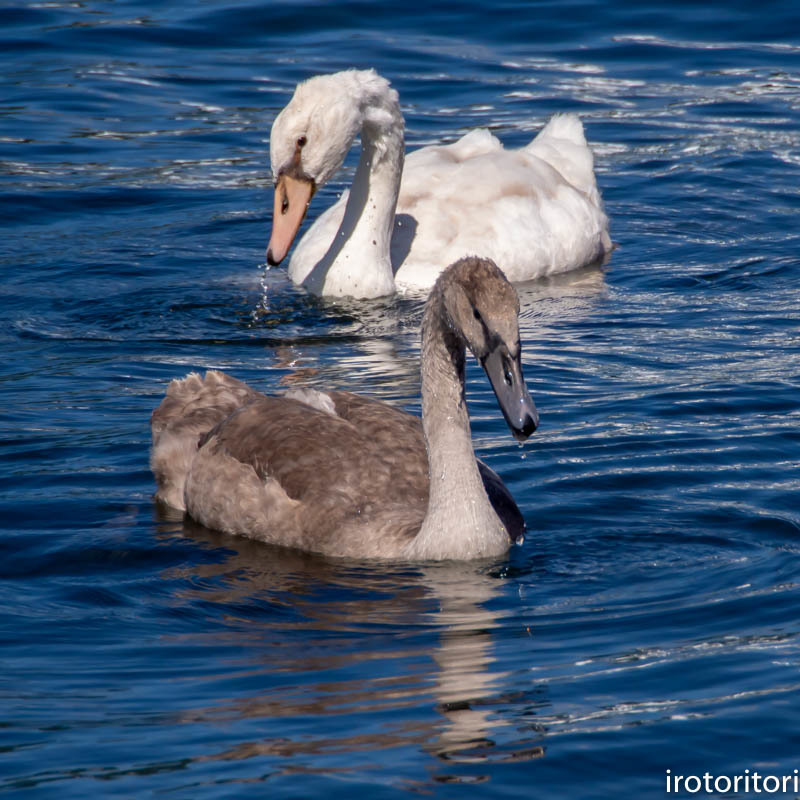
{"points": [[648, 623]]}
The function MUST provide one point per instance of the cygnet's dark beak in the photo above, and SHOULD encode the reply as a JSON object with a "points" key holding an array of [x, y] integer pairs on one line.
{"points": [[505, 374]]}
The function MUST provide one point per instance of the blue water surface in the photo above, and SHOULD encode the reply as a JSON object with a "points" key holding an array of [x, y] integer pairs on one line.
{"points": [[651, 619]]}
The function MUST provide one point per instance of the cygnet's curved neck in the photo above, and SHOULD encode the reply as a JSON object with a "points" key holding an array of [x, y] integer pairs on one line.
{"points": [[358, 262], [460, 522]]}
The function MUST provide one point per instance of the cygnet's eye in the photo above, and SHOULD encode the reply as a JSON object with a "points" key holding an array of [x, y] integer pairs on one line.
{"points": [[476, 314]]}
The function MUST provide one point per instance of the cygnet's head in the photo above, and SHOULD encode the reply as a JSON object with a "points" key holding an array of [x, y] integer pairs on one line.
{"points": [[484, 307]]}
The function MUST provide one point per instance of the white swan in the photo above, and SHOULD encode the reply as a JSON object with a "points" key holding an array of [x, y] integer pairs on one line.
{"points": [[336, 473], [535, 210]]}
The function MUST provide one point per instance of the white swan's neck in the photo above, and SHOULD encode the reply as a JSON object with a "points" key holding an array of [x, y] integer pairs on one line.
{"points": [[358, 262], [460, 522]]}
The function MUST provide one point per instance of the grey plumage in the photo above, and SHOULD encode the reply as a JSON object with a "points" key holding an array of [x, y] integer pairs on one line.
{"points": [[340, 474]]}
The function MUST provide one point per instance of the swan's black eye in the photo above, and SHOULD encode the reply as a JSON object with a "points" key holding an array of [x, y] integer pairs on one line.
{"points": [[301, 142], [476, 314]]}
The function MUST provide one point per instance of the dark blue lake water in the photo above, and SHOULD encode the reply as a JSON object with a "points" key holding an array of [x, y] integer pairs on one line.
{"points": [[651, 619]]}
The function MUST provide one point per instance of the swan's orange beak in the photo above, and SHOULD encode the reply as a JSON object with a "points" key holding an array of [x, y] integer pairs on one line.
{"points": [[292, 196]]}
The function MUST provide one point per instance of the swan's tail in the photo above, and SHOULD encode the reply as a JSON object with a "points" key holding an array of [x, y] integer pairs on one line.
{"points": [[562, 144], [191, 408], [566, 126]]}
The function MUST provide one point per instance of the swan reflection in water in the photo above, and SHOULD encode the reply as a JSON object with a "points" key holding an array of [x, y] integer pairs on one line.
{"points": [[379, 349], [399, 655]]}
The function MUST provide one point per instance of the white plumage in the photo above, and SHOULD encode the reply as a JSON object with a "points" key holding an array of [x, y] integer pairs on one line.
{"points": [[535, 210]]}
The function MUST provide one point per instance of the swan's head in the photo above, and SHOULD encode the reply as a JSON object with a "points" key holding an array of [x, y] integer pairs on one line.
{"points": [[484, 307], [309, 141]]}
